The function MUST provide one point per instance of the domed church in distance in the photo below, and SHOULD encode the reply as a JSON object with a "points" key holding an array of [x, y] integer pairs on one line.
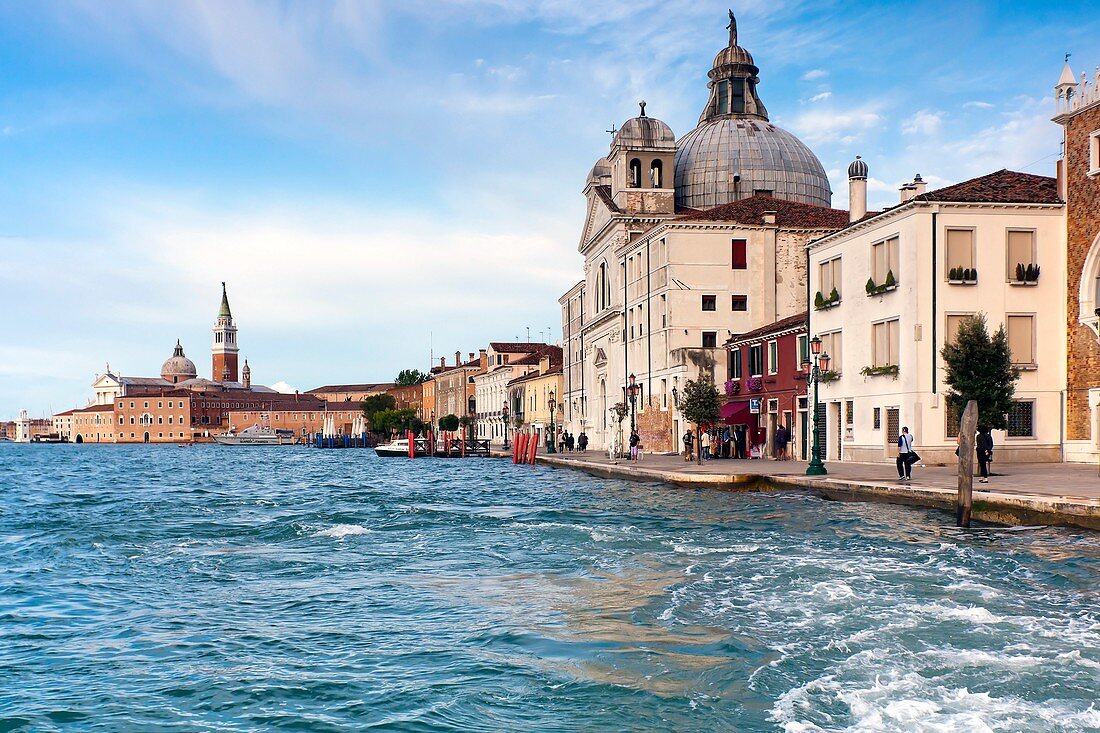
{"points": [[687, 243]]}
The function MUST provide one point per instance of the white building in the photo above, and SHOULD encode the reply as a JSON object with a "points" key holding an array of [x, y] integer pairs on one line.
{"points": [[904, 279], [675, 264], [505, 362]]}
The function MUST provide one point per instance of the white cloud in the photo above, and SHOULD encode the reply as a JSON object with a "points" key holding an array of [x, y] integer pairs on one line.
{"points": [[821, 97], [833, 125], [978, 105], [924, 122], [814, 74], [283, 387]]}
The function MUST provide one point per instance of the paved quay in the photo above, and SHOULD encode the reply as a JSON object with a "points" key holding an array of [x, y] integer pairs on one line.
{"points": [[1018, 494]]}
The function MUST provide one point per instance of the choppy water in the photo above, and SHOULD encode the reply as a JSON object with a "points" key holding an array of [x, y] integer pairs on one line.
{"points": [[154, 588]]}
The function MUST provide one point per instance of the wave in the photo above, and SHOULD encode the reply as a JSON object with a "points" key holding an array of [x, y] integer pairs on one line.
{"points": [[340, 531]]}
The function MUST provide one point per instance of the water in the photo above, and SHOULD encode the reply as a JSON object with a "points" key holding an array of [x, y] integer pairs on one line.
{"points": [[220, 589]]}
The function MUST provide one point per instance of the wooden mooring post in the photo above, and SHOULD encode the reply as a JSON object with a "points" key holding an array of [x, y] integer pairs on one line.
{"points": [[967, 426]]}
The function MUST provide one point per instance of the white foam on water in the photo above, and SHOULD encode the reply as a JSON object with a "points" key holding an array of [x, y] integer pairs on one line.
{"points": [[340, 531], [976, 615]]}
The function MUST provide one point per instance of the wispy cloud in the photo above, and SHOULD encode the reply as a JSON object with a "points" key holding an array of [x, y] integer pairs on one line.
{"points": [[835, 124], [923, 122], [813, 74]]}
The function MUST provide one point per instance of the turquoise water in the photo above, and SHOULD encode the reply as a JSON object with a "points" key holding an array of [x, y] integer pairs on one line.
{"points": [[220, 589]]}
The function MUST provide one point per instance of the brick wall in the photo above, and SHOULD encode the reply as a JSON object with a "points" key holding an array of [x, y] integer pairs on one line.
{"points": [[1083, 214]]}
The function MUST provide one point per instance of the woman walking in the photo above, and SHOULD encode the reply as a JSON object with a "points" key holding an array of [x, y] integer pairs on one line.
{"points": [[984, 447]]}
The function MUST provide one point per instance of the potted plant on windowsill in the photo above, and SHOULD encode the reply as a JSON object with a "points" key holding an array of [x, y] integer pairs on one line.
{"points": [[890, 283], [886, 370], [829, 375], [733, 387], [963, 276], [754, 384], [821, 302], [1028, 275]]}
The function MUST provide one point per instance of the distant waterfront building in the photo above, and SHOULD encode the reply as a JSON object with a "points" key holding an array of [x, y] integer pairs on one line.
{"points": [[675, 265], [454, 385], [505, 362], [890, 290], [63, 424], [95, 424], [530, 395], [1078, 112], [350, 392], [303, 419]]}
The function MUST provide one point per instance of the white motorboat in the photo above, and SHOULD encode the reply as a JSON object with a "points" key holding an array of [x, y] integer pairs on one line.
{"points": [[395, 449], [256, 435]]}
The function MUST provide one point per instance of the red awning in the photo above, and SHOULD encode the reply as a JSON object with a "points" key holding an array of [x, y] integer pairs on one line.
{"points": [[734, 413]]}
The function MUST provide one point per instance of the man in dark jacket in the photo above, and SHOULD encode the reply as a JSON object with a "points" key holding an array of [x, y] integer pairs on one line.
{"points": [[984, 447]]}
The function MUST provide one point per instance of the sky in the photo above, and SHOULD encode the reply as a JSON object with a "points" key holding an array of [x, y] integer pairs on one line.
{"points": [[381, 181]]}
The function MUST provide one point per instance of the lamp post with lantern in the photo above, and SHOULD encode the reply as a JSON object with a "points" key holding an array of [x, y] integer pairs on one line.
{"points": [[814, 370], [550, 436], [632, 394], [504, 420]]}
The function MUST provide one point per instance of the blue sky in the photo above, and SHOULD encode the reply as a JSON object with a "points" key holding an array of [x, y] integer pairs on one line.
{"points": [[377, 179]]}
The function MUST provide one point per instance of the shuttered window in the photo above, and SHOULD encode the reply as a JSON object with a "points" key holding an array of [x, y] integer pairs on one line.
{"points": [[954, 320], [1021, 251], [740, 254], [829, 277], [831, 344], [885, 339], [884, 259], [1021, 339], [959, 249]]}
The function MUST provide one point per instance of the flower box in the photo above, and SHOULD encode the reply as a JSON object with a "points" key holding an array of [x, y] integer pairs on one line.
{"points": [[886, 370]]}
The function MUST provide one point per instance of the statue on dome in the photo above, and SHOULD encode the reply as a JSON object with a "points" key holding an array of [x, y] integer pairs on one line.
{"points": [[733, 29]]}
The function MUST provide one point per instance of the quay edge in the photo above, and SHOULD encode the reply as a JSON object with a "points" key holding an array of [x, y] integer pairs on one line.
{"points": [[989, 506]]}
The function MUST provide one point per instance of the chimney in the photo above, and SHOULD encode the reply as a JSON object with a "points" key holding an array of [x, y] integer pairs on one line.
{"points": [[471, 356], [442, 362], [769, 218], [1060, 177], [483, 359], [911, 190], [857, 189], [458, 358], [544, 364]]}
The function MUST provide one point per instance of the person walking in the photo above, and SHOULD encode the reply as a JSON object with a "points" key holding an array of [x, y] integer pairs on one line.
{"points": [[634, 441], [689, 445], [984, 447], [782, 438], [906, 455], [727, 441], [570, 442], [704, 444], [582, 441]]}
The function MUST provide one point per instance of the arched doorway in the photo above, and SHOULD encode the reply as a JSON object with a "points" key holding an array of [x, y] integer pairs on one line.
{"points": [[79, 439], [146, 439]]}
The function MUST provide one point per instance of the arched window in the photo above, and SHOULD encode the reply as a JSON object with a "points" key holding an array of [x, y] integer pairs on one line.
{"points": [[635, 179], [656, 174], [1089, 293], [603, 288]]}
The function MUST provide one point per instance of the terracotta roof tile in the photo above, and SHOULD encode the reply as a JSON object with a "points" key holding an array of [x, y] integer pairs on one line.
{"points": [[789, 214], [1001, 187], [795, 321]]}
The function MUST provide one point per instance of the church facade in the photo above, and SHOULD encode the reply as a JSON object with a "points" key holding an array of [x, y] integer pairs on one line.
{"points": [[686, 243]]}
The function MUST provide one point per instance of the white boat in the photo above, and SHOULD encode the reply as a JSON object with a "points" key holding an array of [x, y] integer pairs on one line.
{"points": [[396, 449], [256, 435]]}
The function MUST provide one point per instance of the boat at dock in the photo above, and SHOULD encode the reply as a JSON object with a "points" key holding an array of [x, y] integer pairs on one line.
{"points": [[256, 435], [395, 449]]}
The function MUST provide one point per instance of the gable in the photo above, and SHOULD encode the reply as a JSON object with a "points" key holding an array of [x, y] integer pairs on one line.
{"points": [[596, 218]]}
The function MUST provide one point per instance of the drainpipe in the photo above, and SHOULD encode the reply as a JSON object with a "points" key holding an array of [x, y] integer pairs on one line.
{"points": [[935, 316], [648, 323]]}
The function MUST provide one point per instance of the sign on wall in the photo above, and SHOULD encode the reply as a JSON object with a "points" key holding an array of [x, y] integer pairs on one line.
{"points": [[754, 405]]}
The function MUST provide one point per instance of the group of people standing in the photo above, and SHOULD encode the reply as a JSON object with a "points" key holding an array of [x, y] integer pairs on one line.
{"points": [[725, 441], [569, 442], [983, 448]]}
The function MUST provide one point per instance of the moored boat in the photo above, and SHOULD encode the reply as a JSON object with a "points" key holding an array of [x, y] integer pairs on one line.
{"points": [[395, 449], [256, 435]]}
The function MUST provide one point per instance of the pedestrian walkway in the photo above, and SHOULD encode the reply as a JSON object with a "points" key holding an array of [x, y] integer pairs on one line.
{"points": [[1031, 493]]}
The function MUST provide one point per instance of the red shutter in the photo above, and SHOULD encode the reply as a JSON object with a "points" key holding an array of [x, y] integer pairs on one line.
{"points": [[740, 256]]}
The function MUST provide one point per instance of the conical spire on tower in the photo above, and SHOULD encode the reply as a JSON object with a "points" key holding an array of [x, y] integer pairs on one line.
{"points": [[224, 349], [224, 311]]}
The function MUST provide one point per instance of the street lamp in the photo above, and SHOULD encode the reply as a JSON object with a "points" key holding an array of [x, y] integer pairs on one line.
{"points": [[504, 419], [553, 405], [814, 371], [632, 393]]}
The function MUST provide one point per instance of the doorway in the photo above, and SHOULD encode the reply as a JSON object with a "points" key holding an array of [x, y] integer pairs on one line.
{"points": [[146, 439]]}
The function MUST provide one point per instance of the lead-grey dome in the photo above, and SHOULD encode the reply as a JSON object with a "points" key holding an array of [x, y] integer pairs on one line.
{"points": [[858, 168], [178, 367], [644, 132], [728, 158]]}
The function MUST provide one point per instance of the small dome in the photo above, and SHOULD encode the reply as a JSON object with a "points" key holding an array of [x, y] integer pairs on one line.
{"points": [[600, 171], [858, 168], [732, 55], [178, 367], [644, 132]]}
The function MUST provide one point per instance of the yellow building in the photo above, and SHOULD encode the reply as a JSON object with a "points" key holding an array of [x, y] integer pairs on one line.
{"points": [[531, 395]]}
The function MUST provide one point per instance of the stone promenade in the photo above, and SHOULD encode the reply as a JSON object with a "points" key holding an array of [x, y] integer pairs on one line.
{"points": [[1059, 494]]}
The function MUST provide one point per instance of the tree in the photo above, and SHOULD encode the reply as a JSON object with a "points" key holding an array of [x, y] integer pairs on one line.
{"points": [[978, 367], [388, 421], [377, 403], [619, 411], [409, 377], [449, 423], [701, 403]]}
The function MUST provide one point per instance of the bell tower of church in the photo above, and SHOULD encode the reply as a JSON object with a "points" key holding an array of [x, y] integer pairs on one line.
{"points": [[224, 350]]}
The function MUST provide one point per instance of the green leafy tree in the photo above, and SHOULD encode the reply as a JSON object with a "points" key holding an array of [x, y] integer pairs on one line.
{"points": [[701, 404], [389, 421], [449, 423], [979, 367], [409, 377], [377, 403]]}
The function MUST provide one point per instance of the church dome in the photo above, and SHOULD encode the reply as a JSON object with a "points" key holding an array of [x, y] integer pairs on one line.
{"points": [[644, 132], [178, 367], [601, 172], [736, 152], [726, 159], [858, 168]]}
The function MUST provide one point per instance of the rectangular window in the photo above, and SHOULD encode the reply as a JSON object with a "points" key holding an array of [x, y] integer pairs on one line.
{"points": [[723, 97], [829, 277], [773, 357], [756, 361], [1021, 251], [849, 413], [803, 350], [954, 320], [884, 260], [710, 303], [1021, 419], [738, 90], [740, 254], [664, 312], [739, 303], [958, 250], [952, 415], [710, 339], [885, 342], [1021, 339], [735, 364], [832, 344]]}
